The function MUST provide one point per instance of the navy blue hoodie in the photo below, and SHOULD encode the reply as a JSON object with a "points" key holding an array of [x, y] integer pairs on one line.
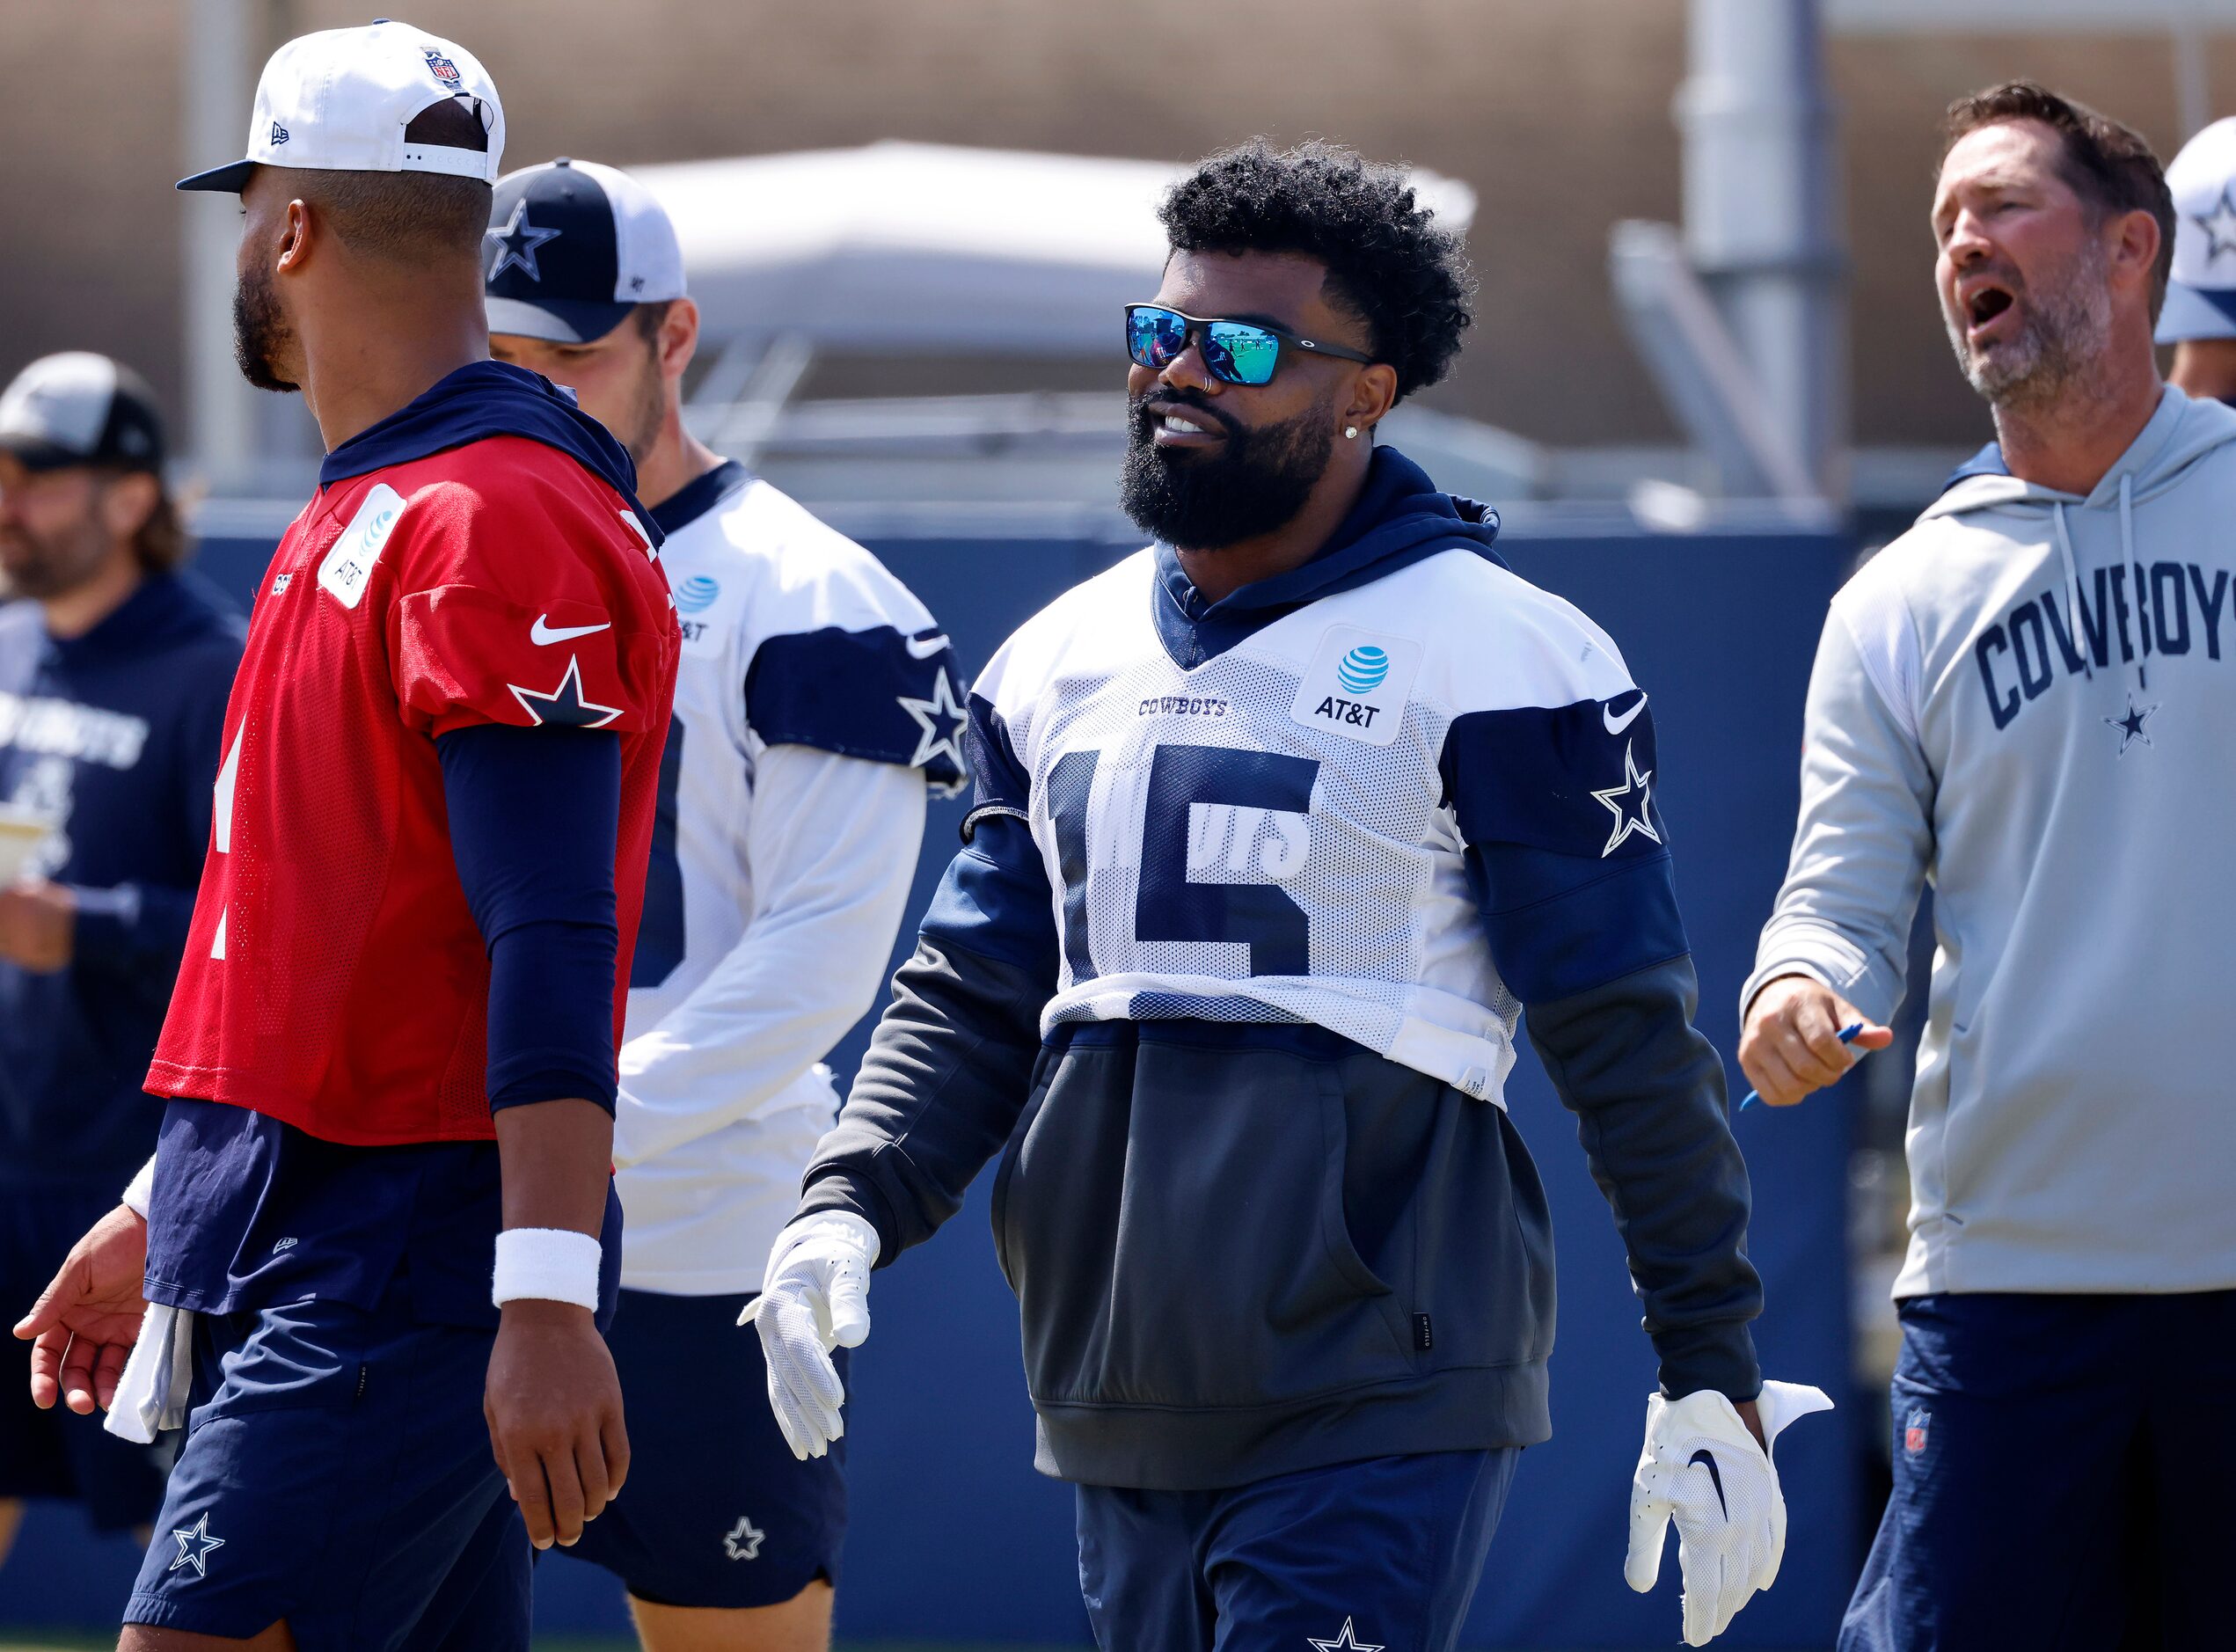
{"points": [[116, 733]]}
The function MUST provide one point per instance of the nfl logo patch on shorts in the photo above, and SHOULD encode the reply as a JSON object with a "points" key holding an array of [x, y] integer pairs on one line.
{"points": [[1914, 1428]]}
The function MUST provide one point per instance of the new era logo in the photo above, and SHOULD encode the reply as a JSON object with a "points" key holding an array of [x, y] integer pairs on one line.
{"points": [[279, 134]]}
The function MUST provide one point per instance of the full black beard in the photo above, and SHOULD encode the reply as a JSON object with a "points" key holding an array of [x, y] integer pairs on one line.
{"points": [[259, 333], [1254, 483]]}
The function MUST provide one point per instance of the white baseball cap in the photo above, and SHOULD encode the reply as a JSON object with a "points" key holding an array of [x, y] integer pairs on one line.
{"points": [[573, 247], [338, 101], [2200, 296]]}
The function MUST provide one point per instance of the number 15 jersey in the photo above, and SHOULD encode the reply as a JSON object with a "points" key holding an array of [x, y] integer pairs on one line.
{"points": [[1294, 829]]}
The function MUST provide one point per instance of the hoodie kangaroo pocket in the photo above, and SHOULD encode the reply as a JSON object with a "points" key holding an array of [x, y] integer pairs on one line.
{"points": [[1171, 1220]]}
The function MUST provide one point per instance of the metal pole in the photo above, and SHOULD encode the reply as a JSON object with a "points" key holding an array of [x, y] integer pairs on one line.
{"points": [[1761, 212], [218, 65]]}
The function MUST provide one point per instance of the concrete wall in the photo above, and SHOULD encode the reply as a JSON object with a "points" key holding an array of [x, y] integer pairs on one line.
{"points": [[1558, 115]]}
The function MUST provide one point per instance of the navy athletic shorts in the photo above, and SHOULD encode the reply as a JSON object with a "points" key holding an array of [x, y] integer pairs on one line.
{"points": [[57, 1453], [717, 1510], [2062, 1475], [336, 1474], [1385, 1551]]}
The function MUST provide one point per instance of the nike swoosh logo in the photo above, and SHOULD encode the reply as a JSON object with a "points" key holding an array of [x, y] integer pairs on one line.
{"points": [[542, 633], [1704, 1457], [1615, 725], [924, 647]]}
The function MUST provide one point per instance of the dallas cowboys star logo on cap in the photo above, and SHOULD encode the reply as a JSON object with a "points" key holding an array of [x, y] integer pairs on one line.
{"points": [[2219, 225], [564, 706], [1629, 803], [517, 243]]}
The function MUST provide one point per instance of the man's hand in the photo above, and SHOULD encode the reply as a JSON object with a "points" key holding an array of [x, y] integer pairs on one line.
{"points": [[815, 1297], [85, 1322], [553, 1402], [1710, 1472], [38, 923], [1791, 1044]]}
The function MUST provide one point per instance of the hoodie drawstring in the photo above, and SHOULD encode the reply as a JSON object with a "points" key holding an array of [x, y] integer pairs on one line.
{"points": [[2072, 573]]}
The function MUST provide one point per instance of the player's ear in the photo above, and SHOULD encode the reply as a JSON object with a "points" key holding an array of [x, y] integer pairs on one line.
{"points": [[298, 234], [678, 339], [1373, 393]]}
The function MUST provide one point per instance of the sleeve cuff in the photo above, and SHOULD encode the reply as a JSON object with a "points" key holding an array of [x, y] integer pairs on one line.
{"points": [[554, 1083], [836, 1189], [1717, 1357], [1824, 955]]}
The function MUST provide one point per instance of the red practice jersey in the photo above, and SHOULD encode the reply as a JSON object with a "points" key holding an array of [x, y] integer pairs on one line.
{"points": [[334, 978]]}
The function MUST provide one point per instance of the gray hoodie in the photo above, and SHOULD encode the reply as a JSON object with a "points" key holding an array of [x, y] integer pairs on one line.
{"points": [[2029, 699]]}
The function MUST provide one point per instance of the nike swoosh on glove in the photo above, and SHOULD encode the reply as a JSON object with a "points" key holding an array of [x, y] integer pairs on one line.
{"points": [[1702, 1468], [815, 1297]]}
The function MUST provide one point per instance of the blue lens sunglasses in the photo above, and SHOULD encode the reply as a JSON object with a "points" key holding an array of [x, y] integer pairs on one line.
{"points": [[1238, 352]]}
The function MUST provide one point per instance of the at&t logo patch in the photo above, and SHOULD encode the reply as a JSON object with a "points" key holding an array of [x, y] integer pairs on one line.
{"points": [[1356, 685]]}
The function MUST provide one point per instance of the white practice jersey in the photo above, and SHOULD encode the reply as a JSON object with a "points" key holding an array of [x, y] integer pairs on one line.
{"points": [[815, 697], [1283, 831]]}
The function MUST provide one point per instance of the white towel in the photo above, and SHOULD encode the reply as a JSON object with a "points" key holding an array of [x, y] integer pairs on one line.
{"points": [[152, 1395]]}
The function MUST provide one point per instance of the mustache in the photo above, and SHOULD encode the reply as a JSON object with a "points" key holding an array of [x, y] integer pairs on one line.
{"points": [[1139, 418]]}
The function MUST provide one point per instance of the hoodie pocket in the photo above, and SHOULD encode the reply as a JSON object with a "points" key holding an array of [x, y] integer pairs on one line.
{"points": [[1171, 1220]]}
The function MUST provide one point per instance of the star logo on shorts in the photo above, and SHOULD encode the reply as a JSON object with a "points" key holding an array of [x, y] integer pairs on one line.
{"points": [[564, 706], [195, 1545], [1628, 803], [941, 719], [743, 1540], [1343, 1642]]}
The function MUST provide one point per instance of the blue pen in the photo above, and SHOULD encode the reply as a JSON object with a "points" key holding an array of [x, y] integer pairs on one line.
{"points": [[1847, 1036]]}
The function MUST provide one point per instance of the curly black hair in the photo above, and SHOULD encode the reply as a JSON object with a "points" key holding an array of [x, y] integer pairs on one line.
{"points": [[1389, 262]]}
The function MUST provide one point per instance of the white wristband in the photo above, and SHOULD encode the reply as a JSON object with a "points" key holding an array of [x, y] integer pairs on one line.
{"points": [[551, 1264], [141, 1190]]}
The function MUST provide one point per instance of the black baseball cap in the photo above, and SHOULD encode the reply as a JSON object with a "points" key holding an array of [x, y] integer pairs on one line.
{"points": [[81, 408], [573, 247]]}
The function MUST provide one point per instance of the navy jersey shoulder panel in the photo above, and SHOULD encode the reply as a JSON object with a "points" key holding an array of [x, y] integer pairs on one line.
{"points": [[1577, 779], [477, 402], [1566, 850], [872, 693]]}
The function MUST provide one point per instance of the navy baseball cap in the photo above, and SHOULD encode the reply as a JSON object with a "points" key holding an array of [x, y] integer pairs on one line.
{"points": [[80, 408], [573, 247]]}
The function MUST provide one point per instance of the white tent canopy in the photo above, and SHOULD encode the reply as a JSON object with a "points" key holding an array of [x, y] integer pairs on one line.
{"points": [[920, 247]]}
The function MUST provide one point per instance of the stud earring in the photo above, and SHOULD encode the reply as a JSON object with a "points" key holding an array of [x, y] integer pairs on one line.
{"points": [[1350, 431]]}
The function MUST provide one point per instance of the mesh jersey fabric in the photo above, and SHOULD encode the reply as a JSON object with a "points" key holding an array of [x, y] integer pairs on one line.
{"points": [[796, 641], [334, 978], [1268, 835]]}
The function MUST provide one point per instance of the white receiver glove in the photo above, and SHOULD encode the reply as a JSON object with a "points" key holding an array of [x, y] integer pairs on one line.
{"points": [[1702, 1467], [815, 1297]]}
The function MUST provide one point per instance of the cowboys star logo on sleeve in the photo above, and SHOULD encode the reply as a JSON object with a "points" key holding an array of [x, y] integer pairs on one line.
{"points": [[564, 706], [1629, 803], [941, 719]]}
